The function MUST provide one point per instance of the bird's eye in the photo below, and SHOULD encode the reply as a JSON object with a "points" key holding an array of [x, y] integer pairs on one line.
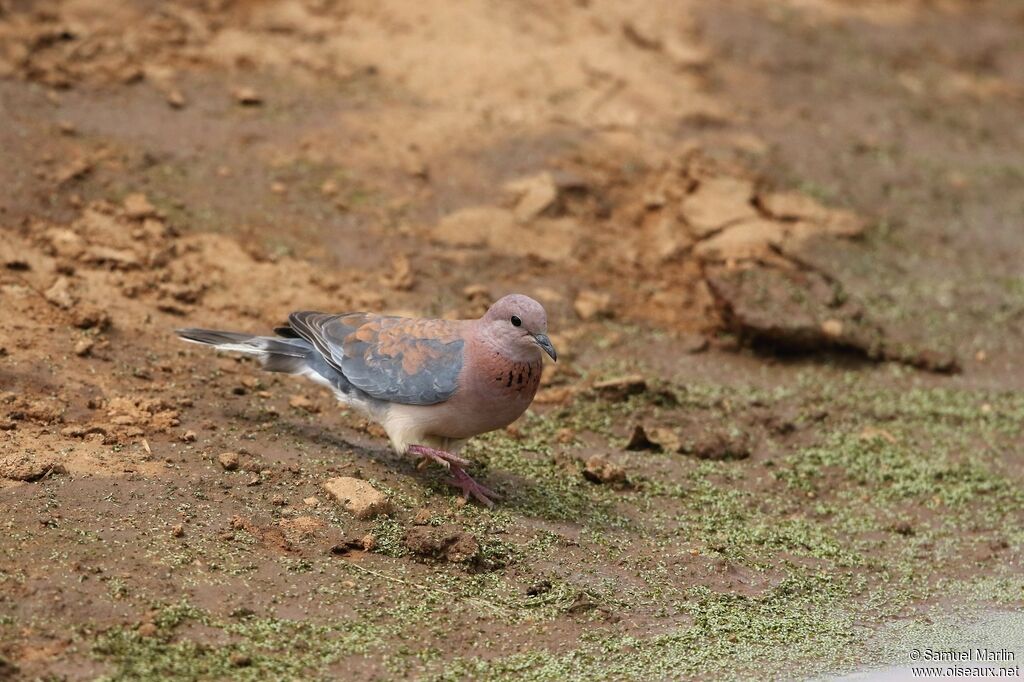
{"points": [[516, 321]]}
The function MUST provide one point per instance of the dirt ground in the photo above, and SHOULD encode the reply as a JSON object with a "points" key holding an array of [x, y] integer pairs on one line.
{"points": [[779, 243]]}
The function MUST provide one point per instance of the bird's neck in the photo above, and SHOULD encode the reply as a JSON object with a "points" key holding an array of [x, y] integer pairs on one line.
{"points": [[489, 345], [506, 376]]}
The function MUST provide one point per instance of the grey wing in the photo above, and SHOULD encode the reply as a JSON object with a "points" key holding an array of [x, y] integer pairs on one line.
{"points": [[401, 360]]}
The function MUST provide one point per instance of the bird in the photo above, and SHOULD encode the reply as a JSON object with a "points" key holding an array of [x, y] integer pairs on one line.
{"points": [[432, 384]]}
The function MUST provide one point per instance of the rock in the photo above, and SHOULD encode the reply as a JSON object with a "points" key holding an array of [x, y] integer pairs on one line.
{"points": [[358, 497], [748, 240], [446, 542], [302, 526], [903, 528], [665, 239], [550, 239], [65, 243], [74, 169], [123, 259], [176, 99], [591, 305], [329, 188], [188, 437], [137, 207], [90, 317], [59, 293], [718, 202], [534, 194], [802, 310], [84, 347], [929, 359], [473, 226], [788, 308], [178, 531], [247, 96], [640, 441], [666, 438], [147, 630], [600, 470], [718, 445], [348, 546], [832, 328], [229, 460], [658, 439], [302, 402], [311, 502], [620, 388], [13, 256], [792, 206], [25, 467], [44, 411], [847, 224], [240, 660]]}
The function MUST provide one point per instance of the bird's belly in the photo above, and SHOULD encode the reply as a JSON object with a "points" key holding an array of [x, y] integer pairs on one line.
{"points": [[461, 417]]}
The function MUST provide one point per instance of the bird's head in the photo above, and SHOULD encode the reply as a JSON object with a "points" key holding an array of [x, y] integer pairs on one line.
{"points": [[519, 323]]}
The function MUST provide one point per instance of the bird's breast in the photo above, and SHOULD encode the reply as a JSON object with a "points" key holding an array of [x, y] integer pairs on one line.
{"points": [[500, 391]]}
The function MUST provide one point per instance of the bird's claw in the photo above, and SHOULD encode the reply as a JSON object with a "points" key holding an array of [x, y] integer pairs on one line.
{"points": [[445, 459], [469, 487], [460, 479]]}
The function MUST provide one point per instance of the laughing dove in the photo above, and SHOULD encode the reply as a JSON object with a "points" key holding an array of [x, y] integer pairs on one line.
{"points": [[431, 384]]}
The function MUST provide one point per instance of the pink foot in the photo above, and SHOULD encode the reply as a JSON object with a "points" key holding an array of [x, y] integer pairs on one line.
{"points": [[464, 482], [445, 459], [460, 479]]}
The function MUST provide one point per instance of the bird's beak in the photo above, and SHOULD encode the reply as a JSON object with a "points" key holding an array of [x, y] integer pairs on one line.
{"points": [[545, 343]]}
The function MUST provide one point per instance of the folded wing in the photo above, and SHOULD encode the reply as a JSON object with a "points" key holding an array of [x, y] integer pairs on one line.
{"points": [[396, 359]]}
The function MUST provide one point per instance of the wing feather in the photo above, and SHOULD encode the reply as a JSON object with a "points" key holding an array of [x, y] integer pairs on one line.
{"points": [[397, 359]]}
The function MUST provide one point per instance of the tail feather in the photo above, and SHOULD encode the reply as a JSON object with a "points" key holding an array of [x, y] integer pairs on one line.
{"points": [[276, 354], [287, 355]]}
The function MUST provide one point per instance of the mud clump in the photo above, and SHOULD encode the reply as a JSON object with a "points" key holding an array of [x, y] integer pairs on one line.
{"points": [[29, 467], [446, 542], [599, 469], [229, 461], [793, 310], [269, 536], [301, 527], [656, 439], [719, 445], [358, 497]]}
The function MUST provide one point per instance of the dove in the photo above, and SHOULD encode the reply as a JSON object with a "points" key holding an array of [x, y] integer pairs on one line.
{"points": [[431, 384]]}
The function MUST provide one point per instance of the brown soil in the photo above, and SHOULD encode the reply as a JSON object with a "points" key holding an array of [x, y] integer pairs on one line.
{"points": [[738, 215]]}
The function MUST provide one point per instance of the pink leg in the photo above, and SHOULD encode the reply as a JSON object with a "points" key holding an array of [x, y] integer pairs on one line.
{"points": [[445, 459], [464, 482], [460, 479]]}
